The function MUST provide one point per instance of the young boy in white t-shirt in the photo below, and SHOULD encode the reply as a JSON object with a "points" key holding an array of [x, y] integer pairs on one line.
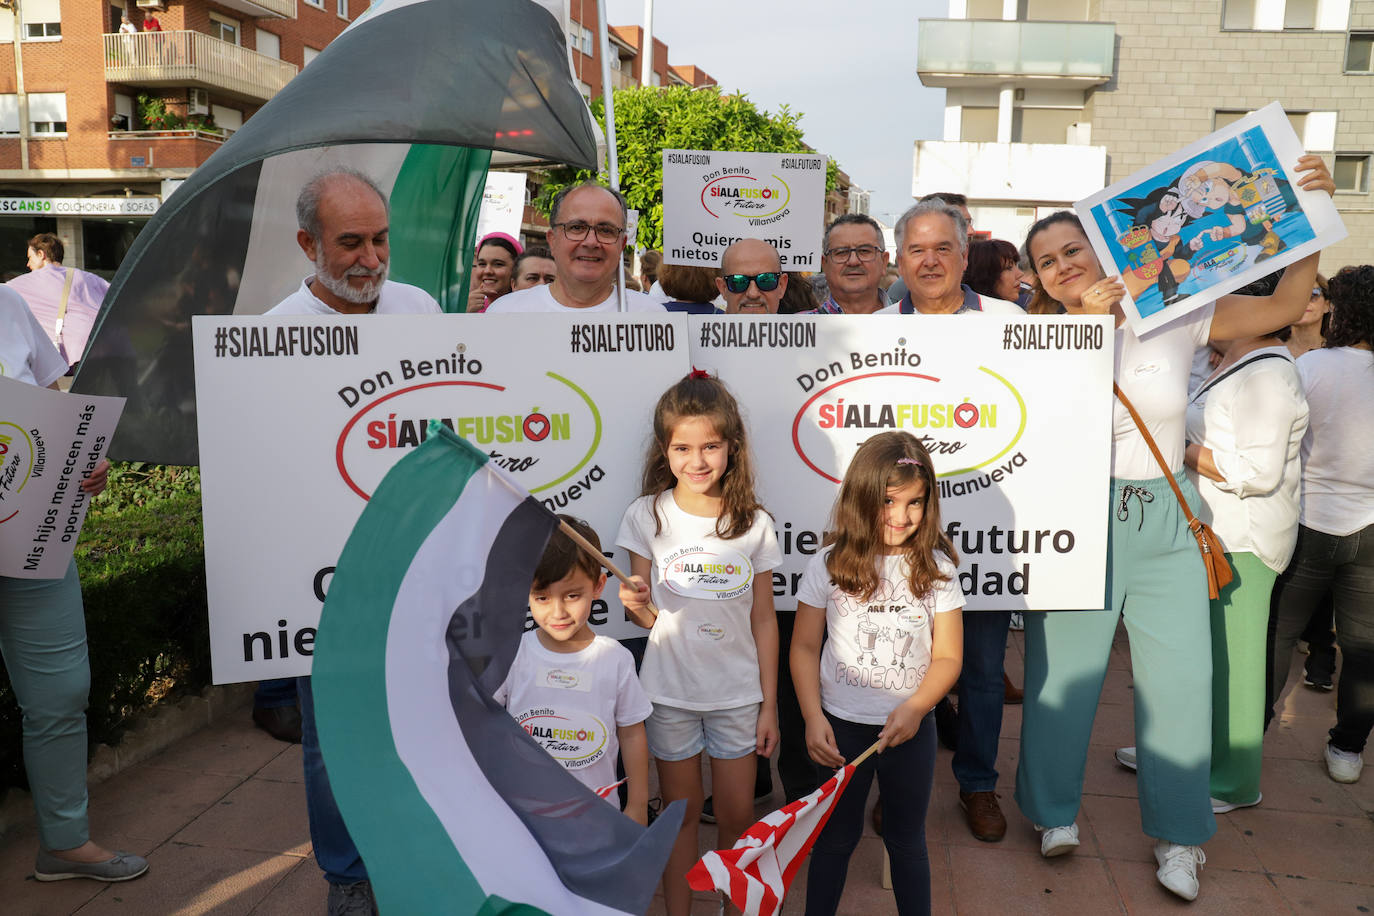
{"points": [[574, 692]]}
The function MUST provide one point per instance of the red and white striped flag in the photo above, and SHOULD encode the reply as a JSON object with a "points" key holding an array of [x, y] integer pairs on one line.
{"points": [[757, 872]]}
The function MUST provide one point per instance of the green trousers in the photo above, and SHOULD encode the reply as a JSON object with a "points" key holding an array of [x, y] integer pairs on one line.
{"points": [[1240, 618], [1156, 582]]}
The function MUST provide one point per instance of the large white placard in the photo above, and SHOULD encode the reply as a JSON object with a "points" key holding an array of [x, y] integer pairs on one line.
{"points": [[301, 417], [712, 199], [1015, 411], [49, 441]]}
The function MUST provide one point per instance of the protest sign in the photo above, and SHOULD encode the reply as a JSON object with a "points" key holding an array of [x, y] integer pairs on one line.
{"points": [[1016, 413], [300, 417], [503, 204], [1209, 219], [712, 199], [49, 441]]}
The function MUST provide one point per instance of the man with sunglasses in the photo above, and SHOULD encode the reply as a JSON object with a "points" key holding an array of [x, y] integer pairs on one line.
{"points": [[751, 280], [586, 237], [854, 260]]}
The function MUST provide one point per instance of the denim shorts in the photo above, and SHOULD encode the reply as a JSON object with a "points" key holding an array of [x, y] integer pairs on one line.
{"points": [[679, 734]]}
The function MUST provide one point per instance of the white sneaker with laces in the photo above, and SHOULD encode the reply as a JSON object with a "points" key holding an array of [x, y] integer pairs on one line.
{"points": [[1126, 757], [1056, 841], [1343, 766], [1178, 867], [1221, 806]]}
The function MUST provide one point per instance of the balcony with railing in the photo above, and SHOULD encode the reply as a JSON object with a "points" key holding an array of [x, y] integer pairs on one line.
{"points": [[260, 9], [194, 59], [994, 52], [1034, 173]]}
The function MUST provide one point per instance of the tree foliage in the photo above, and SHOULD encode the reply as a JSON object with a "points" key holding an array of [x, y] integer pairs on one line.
{"points": [[649, 120]]}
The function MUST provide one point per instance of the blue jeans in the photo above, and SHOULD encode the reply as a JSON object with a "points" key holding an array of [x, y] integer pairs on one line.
{"points": [[275, 694], [905, 773], [334, 850], [1341, 568], [981, 695]]}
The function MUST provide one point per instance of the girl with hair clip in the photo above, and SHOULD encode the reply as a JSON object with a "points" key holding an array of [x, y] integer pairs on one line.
{"points": [[699, 536], [886, 594]]}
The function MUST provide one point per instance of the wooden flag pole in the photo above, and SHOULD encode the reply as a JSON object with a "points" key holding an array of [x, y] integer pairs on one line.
{"points": [[601, 558], [872, 749]]}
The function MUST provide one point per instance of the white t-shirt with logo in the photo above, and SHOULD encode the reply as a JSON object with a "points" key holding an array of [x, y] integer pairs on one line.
{"points": [[540, 299], [701, 653], [878, 651], [26, 353], [573, 702]]}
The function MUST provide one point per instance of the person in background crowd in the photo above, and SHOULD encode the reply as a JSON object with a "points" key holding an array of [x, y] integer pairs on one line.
{"points": [[800, 295], [493, 270], [1309, 333], [587, 237], [66, 301], [534, 267], [150, 23], [1157, 580], [126, 26], [994, 269], [932, 255], [1335, 552], [43, 639], [344, 221], [854, 261], [689, 288], [751, 279], [650, 262]]}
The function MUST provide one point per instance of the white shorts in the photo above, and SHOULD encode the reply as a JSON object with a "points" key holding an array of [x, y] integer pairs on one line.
{"points": [[725, 734]]}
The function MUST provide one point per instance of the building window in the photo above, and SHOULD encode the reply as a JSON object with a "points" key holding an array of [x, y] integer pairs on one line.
{"points": [[1359, 53], [342, 8], [1351, 172], [317, 4], [42, 20], [48, 113], [1316, 130], [588, 41], [9, 115], [978, 125], [1044, 125], [123, 117], [308, 54], [268, 44], [224, 28], [1281, 15]]}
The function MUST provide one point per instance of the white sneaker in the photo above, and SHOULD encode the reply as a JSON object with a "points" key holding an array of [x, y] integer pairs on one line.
{"points": [[1178, 867], [1343, 766], [1126, 757], [1222, 807], [1056, 841]]}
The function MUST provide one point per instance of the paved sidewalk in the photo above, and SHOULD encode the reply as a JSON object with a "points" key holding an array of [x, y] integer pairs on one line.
{"points": [[221, 817]]}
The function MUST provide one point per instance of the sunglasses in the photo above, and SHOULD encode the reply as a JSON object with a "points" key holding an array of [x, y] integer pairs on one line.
{"points": [[738, 283]]}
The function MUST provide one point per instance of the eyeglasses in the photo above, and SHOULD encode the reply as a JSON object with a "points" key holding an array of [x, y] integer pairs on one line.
{"points": [[866, 253], [738, 283], [1317, 292], [577, 231]]}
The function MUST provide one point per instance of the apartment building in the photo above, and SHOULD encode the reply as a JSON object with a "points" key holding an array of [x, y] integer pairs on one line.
{"points": [[97, 127], [1047, 101]]}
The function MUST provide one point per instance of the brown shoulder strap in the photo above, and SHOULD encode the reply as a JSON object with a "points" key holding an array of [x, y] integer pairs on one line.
{"points": [[1154, 449]]}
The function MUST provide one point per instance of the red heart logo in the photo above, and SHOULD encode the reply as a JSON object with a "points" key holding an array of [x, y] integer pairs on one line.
{"points": [[966, 415]]}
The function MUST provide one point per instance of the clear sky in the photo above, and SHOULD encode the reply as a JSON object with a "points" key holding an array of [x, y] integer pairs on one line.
{"points": [[850, 67]]}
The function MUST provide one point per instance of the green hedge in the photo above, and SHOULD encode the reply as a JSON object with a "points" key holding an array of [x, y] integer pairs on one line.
{"points": [[142, 563]]}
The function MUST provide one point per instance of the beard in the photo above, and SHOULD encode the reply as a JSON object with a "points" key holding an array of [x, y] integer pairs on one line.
{"points": [[339, 285]]}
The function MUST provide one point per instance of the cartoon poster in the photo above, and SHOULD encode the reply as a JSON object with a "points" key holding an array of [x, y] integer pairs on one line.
{"points": [[712, 199], [1209, 219], [301, 417]]}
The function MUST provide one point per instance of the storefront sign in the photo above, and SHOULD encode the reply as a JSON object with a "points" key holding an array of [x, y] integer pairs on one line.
{"points": [[78, 206]]}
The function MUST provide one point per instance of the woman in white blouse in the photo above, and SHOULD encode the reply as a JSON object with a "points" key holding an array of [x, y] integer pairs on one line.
{"points": [[1335, 551], [1245, 429]]}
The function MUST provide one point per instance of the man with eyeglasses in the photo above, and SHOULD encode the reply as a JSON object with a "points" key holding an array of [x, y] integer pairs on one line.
{"points": [[854, 260], [751, 278], [586, 237]]}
